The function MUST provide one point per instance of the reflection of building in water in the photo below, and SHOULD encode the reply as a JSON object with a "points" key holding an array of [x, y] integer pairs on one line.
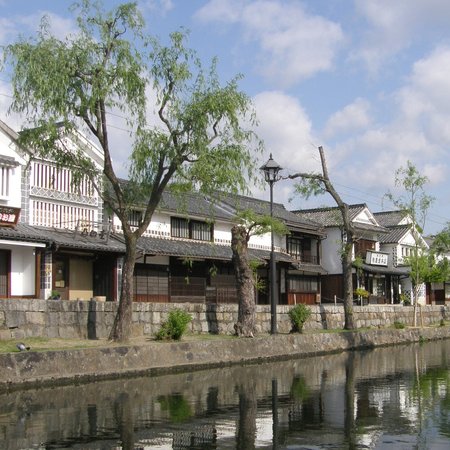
{"points": [[362, 396]]}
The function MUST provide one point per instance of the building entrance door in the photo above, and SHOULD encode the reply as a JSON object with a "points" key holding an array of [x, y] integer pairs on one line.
{"points": [[61, 277], [4, 275]]}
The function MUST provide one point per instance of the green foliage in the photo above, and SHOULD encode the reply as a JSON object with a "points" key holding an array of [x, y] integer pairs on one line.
{"points": [[361, 292], [258, 224], [178, 407], [175, 325], [441, 242], [413, 201], [191, 135], [299, 389], [405, 299], [399, 325], [55, 295], [260, 284], [299, 314], [308, 187]]}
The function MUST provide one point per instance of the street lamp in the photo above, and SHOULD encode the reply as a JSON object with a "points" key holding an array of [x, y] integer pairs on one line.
{"points": [[271, 169]]}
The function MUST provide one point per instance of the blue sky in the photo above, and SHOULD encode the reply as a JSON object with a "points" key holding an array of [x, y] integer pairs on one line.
{"points": [[369, 80]]}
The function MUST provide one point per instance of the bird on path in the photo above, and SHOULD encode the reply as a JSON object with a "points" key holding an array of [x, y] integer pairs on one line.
{"points": [[22, 347]]}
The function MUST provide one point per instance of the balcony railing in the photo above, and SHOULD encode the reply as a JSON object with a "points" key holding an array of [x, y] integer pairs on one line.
{"points": [[305, 258]]}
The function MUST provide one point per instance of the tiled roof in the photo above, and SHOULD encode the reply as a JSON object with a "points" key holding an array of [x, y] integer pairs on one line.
{"points": [[331, 217], [8, 161], [193, 204], [262, 207], [61, 238], [70, 239], [396, 233], [22, 232], [389, 218], [195, 249]]}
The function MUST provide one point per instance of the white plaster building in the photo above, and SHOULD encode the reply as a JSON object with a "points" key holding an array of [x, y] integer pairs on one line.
{"points": [[378, 275]]}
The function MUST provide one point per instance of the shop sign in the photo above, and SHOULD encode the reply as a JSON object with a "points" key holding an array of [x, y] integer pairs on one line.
{"points": [[377, 259], [9, 216]]}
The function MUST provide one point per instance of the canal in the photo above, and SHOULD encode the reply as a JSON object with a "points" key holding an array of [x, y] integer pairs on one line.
{"points": [[385, 398]]}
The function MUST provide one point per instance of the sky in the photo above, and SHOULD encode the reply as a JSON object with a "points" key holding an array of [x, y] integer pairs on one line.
{"points": [[368, 80]]}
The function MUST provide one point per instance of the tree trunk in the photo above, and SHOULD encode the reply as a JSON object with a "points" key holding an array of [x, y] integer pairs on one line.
{"points": [[348, 284], [245, 326], [121, 329]]}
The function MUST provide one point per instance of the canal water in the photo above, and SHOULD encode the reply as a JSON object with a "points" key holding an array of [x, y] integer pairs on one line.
{"points": [[387, 398]]}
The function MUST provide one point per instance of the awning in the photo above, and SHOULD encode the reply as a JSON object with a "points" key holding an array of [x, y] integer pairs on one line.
{"points": [[399, 271]]}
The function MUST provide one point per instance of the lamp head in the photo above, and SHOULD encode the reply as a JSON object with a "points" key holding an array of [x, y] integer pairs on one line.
{"points": [[271, 169]]}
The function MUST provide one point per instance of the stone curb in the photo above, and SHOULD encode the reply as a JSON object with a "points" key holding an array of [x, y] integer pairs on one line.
{"points": [[31, 369]]}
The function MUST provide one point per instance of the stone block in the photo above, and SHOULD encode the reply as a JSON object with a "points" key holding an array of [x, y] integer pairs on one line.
{"points": [[15, 319], [155, 318], [5, 334], [37, 318]]}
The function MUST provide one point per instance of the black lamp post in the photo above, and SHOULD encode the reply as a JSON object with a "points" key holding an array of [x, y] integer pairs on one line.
{"points": [[271, 169]]}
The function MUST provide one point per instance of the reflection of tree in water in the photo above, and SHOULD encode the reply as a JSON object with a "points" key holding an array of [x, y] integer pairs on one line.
{"points": [[246, 427], [349, 412], [123, 413], [177, 406], [431, 391], [305, 407]]}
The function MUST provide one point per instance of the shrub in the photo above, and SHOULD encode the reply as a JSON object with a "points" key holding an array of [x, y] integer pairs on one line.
{"points": [[175, 325], [299, 314], [361, 292], [399, 325]]}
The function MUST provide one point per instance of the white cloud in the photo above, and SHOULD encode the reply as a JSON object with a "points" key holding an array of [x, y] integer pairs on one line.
{"points": [[160, 6], [294, 44], [352, 117], [7, 30], [227, 11], [5, 101], [13, 27], [286, 130], [428, 88], [395, 25]]}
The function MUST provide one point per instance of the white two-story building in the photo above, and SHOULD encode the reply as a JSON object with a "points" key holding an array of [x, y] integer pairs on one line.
{"points": [[58, 242], [377, 270]]}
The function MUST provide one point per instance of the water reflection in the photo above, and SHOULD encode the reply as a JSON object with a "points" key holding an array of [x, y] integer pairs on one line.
{"points": [[379, 399]]}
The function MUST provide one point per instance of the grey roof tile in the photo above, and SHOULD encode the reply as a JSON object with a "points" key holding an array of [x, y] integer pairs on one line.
{"points": [[389, 218], [262, 207], [331, 217], [208, 250], [395, 234], [61, 238]]}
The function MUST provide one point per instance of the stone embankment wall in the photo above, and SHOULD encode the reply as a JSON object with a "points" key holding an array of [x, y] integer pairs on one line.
{"points": [[93, 320], [65, 366]]}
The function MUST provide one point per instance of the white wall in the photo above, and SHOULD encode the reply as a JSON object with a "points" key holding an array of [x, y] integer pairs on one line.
{"points": [[7, 149], [22, 270]]}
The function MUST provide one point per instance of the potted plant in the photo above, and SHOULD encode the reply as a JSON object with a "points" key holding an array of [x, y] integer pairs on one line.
{"points": [[55, 295], [362, 294]]}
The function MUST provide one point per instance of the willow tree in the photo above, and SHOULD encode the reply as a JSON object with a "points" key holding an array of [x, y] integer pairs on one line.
{"points": [[320, 183], [109, 67]]}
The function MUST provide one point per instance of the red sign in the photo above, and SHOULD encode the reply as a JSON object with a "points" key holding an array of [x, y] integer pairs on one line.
{"points": [[9, 216]]}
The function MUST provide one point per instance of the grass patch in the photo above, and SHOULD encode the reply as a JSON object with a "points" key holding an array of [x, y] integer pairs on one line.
{"points": [[37, 344]]}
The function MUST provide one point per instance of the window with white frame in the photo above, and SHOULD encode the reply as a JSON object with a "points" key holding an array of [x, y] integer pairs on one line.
{"points": [[4, 181]]}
